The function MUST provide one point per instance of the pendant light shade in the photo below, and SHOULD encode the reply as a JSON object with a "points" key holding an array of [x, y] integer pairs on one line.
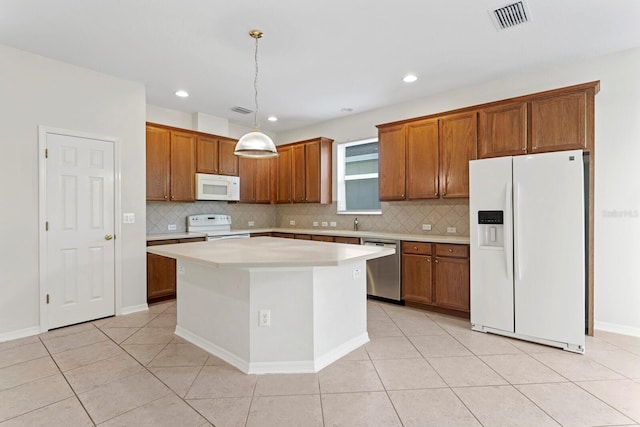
{"points": [[255, 143]]}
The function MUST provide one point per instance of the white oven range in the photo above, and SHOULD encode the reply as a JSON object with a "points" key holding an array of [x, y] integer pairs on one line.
{"points": [[215, 226]]}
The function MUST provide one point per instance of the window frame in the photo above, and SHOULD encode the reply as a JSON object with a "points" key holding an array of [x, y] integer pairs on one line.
{"points": [[341, 179]]}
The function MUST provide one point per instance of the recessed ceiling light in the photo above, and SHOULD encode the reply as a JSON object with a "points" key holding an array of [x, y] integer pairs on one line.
{"points": [[409, 78], [272, 118], [182, 93]]}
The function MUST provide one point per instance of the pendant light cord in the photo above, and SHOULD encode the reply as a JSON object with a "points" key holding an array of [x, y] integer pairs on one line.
{"points": [[255, 87]]}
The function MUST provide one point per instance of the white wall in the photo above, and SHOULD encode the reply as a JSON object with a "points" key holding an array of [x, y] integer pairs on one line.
{"points": [[40, 91], [617, 138]]}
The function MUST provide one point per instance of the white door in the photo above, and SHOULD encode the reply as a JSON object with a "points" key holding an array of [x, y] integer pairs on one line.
{"points": [[80, 251], [549, 255], [491, 245]]}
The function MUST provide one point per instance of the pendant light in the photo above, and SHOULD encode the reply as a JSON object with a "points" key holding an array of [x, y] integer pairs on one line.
{"points": [[255, 143]]}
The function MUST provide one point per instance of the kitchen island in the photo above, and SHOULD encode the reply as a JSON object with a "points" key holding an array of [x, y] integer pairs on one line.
{"points": [[270, 305]]}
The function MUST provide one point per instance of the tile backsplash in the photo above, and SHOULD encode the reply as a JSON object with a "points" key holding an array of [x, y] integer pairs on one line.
{"points": [[397, 217]]}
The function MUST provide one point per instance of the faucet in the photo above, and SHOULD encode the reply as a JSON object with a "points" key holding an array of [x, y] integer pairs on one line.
{"points": [[355, 224]]}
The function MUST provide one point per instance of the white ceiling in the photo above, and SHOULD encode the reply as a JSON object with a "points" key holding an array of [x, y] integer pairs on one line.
{"points": [[315, 58]]}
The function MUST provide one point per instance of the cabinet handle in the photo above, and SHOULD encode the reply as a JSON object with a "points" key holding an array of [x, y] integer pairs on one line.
{"points": [[437, 261], [450, 250], [415, 248], [165, 197], [172, 197], [428, 259]]}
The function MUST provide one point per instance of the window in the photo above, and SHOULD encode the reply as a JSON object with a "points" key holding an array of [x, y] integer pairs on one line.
{"points": [[358, 177]]}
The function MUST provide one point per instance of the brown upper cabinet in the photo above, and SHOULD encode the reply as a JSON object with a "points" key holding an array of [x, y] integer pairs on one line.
{"points": [[560, 122], [427, 159], [171, 165], [255, 180], [215, 155], [560, 119], [304, 172], [502, 130]]}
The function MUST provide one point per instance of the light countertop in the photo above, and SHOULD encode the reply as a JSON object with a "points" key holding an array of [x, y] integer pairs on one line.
{"points": [[268, 252], [432, 238]]}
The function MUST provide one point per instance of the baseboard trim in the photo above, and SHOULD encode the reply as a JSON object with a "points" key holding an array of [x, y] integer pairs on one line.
{"points": [[133, 309], [21, 333], [616, 328]]}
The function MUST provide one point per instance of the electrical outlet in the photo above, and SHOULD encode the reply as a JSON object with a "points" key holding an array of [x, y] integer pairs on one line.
{"points": [[129, 218], [333, 223], [171, 227], [356, 273], [251, 223], [325, 223], [265, 318], [292, 222], [426, 227], [451, 229], [315, 223], [181, 270]]}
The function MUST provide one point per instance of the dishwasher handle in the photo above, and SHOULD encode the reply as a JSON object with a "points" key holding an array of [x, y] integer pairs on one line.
{"points": [[381, 244]]}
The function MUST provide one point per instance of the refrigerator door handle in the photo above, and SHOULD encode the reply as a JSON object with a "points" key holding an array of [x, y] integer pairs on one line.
{"points": [[508, 240], [517, 220]]}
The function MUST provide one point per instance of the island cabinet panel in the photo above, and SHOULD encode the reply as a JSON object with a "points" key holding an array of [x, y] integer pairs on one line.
{"points": [[391, 163], [458, 145], [559, 122], [215, 155], [422, 159], [255, 180], [502, 130], [436, 277], [158, 163], [283, 175]]}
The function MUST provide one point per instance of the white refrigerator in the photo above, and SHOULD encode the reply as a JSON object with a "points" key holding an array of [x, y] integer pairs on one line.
{"points": [[527, 240]]}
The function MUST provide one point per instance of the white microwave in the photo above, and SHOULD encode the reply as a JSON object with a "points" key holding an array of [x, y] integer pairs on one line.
{"points": [[217, 187]]}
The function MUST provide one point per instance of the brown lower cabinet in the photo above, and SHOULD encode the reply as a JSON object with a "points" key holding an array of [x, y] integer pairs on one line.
{"points": [[435, 276], [161, 271]]}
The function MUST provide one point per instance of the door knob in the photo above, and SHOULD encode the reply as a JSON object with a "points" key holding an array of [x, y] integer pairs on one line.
{"points": [[108, 237]]}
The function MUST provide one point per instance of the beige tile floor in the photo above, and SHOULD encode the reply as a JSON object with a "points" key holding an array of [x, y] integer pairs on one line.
{"points": [[420, 369]]}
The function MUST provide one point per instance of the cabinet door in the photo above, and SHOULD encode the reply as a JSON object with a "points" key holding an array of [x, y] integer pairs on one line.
{"points": [[312, 172], [320, 238], [347, 240], [559, 123], [451, 282], [227, 161], [206, 155], [416, 278], [283, 174], [422, 159], [158, 163], [263, 181], [297, 173], [502, 130], [247, 169], [391, 163], [183, 166], [161, 276], [458, 141]]}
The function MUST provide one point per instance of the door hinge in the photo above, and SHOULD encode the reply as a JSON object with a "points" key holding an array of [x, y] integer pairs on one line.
{"points": [[47, 298], [46, 153], [46, 226]]}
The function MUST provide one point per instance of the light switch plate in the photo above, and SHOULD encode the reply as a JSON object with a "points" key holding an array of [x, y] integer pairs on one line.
{"points": [[128, 218], [426, 227], [171, 227], [451, 229], [251, 223], [292, 222], [315, 223]]}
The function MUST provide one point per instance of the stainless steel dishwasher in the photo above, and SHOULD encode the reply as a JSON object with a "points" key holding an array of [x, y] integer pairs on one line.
{"points": [[383, 274]]}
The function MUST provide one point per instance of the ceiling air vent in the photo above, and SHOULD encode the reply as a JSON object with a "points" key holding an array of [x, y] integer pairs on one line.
{"points": [[510, 15], [242, 110]]}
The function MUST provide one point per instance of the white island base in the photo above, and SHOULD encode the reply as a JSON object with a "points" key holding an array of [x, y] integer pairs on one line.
{"points": [[317, 314]]}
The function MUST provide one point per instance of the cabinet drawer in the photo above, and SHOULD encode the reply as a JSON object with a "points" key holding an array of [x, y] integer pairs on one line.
{"points": [[162, 242], [322, 238], [192, 239], [302, 236], [348, 240], [456, 251], [418, 248]]}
